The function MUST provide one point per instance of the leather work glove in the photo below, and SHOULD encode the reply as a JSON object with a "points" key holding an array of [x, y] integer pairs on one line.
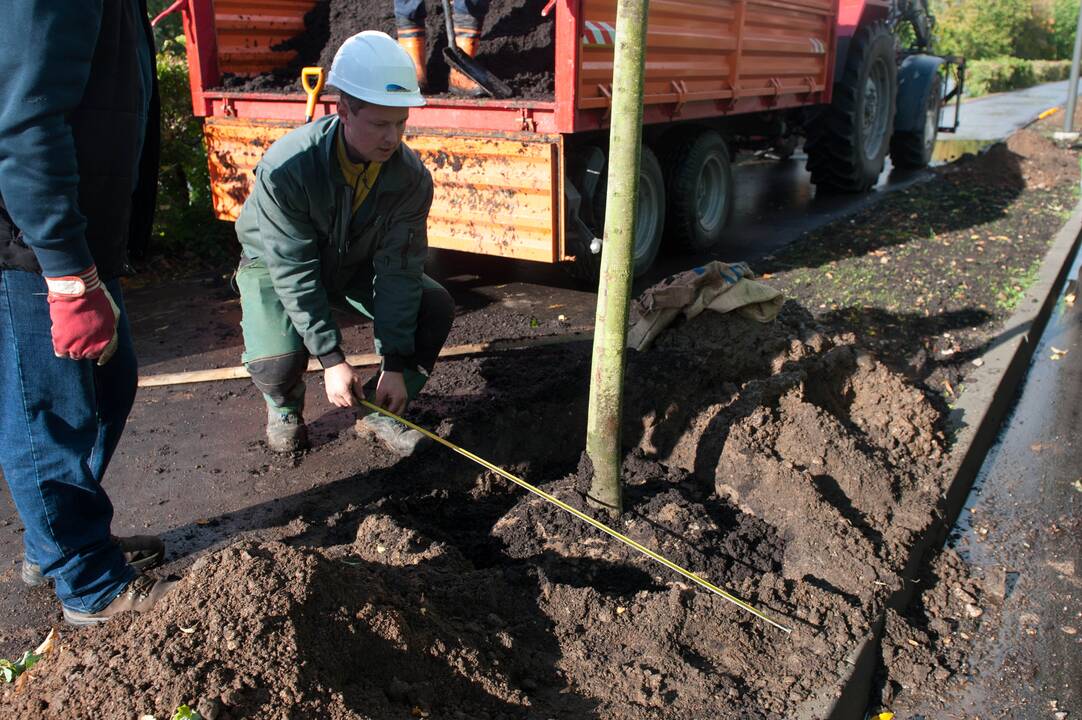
{"points": [[84, 317]]}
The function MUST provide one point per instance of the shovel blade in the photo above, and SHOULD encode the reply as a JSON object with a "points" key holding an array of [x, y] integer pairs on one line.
{"points": [[477, 72]]}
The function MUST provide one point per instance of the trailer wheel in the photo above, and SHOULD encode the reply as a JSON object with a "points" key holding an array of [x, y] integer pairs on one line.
{"points": [[914, 149], [700, 191], [650, 213], [848, 141]]}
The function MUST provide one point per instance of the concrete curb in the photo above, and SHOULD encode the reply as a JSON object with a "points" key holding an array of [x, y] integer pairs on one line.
{"points": [[978, 416]]}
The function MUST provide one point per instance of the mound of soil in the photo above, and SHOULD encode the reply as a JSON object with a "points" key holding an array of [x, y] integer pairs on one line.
{"points": [[517, 44], [782, 464], [1027, 159]]}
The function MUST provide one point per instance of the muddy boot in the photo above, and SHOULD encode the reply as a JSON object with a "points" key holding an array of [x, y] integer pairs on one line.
{"points": [[139, 596], [458, 83], [286, 431], [142, 552], [412, 40], [395, 436]]}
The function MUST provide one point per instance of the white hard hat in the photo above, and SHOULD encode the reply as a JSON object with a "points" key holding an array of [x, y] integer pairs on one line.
{"points": [[372, 67]]}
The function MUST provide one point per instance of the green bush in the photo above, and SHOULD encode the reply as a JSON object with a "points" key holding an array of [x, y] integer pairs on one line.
{"points": [[186, 234], [998, 75], [1010, 73], [1051, 70]]}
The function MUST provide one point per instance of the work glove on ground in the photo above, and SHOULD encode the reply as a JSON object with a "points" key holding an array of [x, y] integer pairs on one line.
{"points": [[84, 317]]}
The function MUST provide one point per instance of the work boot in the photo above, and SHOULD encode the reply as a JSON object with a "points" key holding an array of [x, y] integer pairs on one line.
{"points": [[142, 552], [412, 40], [139, 596], [458, 83], [286, 432], [395, 436]]}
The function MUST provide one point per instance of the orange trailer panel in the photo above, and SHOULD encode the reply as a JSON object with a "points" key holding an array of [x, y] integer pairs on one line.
{"points": [[777, 51], [494, 194]]}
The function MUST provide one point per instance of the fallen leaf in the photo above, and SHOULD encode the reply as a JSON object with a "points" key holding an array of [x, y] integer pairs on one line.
{"points": [[1058, 354], [49, 643], [1077, 485], [186, 631]]}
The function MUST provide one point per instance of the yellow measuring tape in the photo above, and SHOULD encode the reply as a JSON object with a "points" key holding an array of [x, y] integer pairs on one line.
{"points": [[581, 516]]}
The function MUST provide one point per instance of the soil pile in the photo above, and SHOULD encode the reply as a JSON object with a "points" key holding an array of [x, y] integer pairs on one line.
{"points": [[517, 44], [781, 463], [1027, 159]]}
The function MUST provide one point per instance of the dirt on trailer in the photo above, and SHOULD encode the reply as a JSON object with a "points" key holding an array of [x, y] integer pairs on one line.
{"points": [[517, 45], [777, 461]]}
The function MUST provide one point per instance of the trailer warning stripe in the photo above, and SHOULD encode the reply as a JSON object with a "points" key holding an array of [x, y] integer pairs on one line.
{"points": [[598, 34]]}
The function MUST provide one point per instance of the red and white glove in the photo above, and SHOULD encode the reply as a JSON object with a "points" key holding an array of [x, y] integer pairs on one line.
{"points": [[84, 317]]}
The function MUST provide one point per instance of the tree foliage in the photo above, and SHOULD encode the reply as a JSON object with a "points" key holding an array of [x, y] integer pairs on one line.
{"points": [[983, 29]]}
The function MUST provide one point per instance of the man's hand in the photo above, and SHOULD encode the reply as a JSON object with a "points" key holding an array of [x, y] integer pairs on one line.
{"points": [[391, 392], [84, 317], [339, 380]]}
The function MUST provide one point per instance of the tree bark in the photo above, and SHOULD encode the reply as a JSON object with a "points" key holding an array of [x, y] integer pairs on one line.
{"points": [[603, 444]]}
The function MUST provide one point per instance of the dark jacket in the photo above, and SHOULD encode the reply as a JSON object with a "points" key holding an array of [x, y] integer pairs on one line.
{"points": [[299, 220], [78, 145]]}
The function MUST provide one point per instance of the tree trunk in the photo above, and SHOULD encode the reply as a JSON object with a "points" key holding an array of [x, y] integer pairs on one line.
{"points": [[614, 290]]}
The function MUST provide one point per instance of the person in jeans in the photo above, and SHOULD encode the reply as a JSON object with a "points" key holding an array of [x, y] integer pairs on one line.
{"points": [[337, 216], [78, 177], [468, 16]]}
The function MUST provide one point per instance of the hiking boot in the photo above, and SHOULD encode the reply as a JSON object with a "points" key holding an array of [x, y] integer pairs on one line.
{"points": [[395, 436], [286, 432], [142, 552], [139, 596]]}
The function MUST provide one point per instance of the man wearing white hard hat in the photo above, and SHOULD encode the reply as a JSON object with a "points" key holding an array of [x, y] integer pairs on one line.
{"points": [[337, 218]]}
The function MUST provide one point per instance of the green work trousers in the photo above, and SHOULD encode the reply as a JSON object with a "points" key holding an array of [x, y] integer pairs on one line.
{"points": [[274, 352]]}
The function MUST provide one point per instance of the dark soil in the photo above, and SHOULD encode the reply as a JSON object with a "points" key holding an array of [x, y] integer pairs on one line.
{"points": [[517, 44], [450, 590], [925, 650]]}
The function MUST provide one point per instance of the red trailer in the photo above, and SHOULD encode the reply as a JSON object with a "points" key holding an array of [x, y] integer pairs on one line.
{"points": [[524, 178]]}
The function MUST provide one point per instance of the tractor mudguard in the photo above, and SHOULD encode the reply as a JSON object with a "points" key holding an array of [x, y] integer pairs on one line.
{"points": [[915, 77]]}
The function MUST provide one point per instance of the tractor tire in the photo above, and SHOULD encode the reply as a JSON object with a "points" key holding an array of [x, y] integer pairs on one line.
{"points": [[848, 141], [650, 213], [700, 192], [913, 150]]}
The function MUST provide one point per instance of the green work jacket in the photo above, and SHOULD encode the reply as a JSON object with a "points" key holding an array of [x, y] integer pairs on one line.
{"points": [[299, 221]]}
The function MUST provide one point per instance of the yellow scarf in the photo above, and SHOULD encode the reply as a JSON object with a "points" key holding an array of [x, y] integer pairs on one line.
{"points": [[360, 176]]}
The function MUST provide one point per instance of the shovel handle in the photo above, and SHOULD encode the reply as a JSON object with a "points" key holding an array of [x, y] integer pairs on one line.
{"points": [[450, 23], [312, 82]]}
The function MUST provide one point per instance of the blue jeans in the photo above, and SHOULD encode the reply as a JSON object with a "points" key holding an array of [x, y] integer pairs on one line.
{"points": [[60, 421], [467, 14]]}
